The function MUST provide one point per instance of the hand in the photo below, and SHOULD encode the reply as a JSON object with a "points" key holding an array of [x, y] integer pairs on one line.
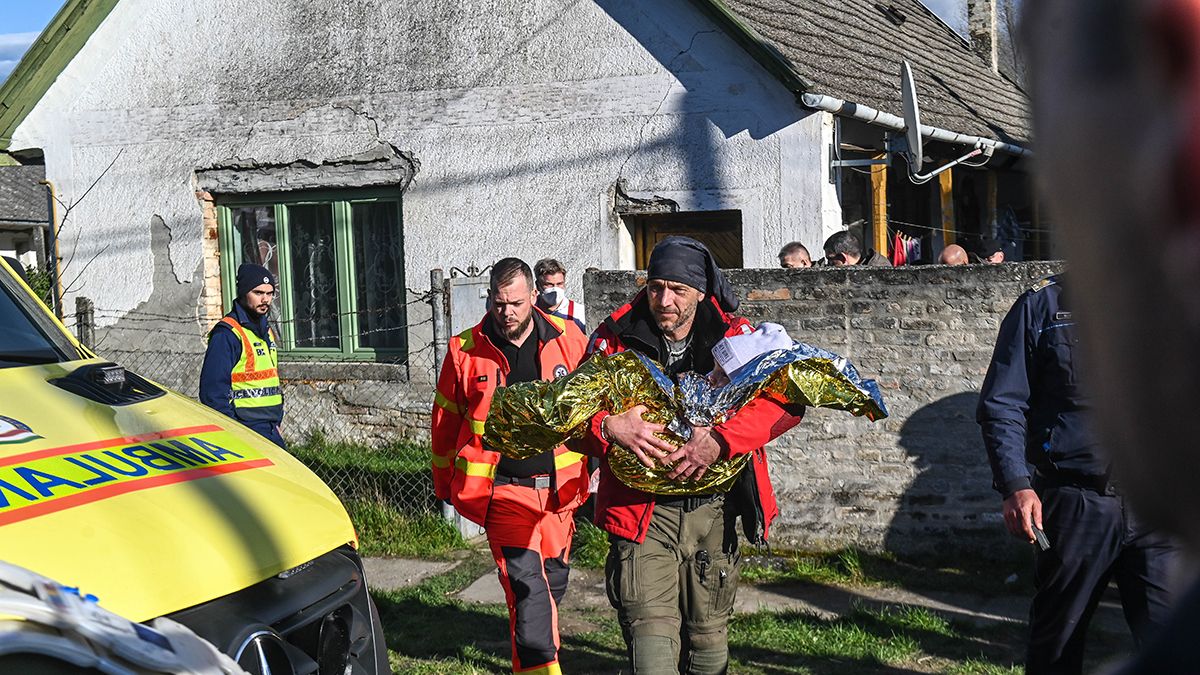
{"points": [[636, 435], [1021, 510], [694, 457]]}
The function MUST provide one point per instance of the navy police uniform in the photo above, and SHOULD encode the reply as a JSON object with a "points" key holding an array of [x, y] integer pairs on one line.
{"points": [[1035, 421]]}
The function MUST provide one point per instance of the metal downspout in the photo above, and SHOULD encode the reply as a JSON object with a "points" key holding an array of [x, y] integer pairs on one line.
{"points": [[863, 113]]}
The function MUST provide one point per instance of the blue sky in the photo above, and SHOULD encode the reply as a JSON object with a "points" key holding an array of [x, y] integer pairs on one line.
{"points": [[20, 23], [22, 20]]}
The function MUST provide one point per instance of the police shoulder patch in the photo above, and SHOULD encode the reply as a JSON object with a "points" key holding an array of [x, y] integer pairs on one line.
{"points": [[1044, 283]]}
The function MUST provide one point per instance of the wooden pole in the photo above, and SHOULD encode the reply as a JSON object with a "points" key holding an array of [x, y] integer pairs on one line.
{"points": [[946, 190], [879, 215]]}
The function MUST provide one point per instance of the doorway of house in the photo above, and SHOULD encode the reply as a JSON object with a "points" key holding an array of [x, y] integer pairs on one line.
{"points": [[720, 231]]}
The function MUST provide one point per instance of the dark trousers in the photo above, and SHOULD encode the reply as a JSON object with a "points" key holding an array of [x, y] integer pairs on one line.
{"points": [[269, 431], [1093, 538]]}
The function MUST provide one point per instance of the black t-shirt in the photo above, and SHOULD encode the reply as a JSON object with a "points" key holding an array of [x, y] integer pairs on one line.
{"points": [[522, 367]]}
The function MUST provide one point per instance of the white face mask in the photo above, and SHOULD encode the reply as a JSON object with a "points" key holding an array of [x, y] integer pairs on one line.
{"points": [[553, 296]]}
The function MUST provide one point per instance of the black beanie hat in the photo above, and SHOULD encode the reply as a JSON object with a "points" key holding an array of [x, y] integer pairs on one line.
{"points": [[251, 276], [687, 261]]}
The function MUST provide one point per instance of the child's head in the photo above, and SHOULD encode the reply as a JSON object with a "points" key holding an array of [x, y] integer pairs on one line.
{"points": [[732, 353]]}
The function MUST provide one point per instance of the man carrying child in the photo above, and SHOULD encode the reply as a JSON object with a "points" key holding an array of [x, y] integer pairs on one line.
{"points": [[673, 562]]}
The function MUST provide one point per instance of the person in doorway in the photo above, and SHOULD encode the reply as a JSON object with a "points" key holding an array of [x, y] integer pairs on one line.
{"points": [[953, 255], [526, 507], [240, 373], [551, 279], [843, 249], [794, 256], [673, 562]]}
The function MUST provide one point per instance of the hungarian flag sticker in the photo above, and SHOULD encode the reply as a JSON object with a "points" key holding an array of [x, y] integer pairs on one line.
{"points": [[13, 431]]}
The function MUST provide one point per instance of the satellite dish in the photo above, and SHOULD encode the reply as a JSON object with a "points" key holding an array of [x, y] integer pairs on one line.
{"points": [[913, 149], [912, 118]]}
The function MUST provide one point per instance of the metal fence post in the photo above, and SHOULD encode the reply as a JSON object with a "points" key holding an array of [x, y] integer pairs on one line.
{"points": [[437, 301], [85, 321], [437, 304]]}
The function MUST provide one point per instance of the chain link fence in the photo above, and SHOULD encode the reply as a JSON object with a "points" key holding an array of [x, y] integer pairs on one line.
{"points": [[359, 419]]}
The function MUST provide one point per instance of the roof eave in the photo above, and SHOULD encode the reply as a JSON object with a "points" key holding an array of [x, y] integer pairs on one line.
{"points": [[45, 60]]}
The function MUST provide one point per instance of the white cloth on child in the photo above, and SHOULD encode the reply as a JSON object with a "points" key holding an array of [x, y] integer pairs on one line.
{"points": [[735, 351]]}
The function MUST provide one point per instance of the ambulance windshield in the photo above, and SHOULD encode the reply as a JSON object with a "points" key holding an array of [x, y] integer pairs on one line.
{"points": [[26, 336]]}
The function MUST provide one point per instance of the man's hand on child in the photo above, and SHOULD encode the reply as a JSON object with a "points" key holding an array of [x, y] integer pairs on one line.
{"points": [[637, 435], [693, 458]]}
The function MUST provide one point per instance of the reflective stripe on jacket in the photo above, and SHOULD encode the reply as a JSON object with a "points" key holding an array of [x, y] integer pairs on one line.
{"points": [[254, 380], [463, 470]]}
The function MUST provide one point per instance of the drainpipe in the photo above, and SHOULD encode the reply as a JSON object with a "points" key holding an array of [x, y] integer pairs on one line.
{"points": [[55, 275], [889, 121]]}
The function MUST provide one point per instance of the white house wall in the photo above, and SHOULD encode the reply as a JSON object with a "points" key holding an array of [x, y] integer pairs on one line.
{"points": [[523, 116]]}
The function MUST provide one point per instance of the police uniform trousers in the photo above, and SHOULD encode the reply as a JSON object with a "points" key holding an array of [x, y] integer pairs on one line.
{"points": [[531, 546], [268, 430], [674, 592], [1094, 538]]}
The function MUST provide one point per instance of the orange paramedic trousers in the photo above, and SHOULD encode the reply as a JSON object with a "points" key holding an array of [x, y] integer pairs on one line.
{"points": [[531, 545]]}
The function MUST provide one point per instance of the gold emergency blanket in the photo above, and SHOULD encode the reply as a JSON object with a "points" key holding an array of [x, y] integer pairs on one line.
{"points": [[532, 417]]}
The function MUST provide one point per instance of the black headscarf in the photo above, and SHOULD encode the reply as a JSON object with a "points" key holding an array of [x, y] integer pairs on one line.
{"points": [[687, 261]]}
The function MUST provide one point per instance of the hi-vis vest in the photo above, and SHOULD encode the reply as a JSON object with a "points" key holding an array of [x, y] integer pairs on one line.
{"points": [[255, 377], [464, 470]]}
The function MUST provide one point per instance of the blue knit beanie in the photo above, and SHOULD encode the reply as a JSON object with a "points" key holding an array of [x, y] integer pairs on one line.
{"points": [[251, 276]]}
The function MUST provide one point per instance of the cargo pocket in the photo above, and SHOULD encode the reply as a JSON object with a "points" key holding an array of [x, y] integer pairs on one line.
{"points": [[723, 582], [620, 573]]}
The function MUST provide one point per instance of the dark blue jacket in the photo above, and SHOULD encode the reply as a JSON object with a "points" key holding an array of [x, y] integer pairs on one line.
{"points": [[224, 351], [1032, 410]]}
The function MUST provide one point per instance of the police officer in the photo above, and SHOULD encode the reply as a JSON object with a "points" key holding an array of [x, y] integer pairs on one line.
{"points": [[1053, 477], [240, 377]]}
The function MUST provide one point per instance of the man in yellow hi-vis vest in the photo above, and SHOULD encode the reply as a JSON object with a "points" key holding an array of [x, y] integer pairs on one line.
{"points": [[239, 377]]}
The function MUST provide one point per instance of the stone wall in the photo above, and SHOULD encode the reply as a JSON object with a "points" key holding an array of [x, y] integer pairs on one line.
{"points": [[919, 480]]}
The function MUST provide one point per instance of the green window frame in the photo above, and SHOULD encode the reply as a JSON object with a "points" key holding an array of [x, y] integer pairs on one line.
{"points": [[338, 212]]}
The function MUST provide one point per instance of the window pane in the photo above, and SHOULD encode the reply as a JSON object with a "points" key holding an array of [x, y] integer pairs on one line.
{"points": [[314, 276], [379, 275], [254, 228]]}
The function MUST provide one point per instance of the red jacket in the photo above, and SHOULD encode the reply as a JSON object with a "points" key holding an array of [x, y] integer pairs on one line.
{"points": [[625, 511], [463, 471]]}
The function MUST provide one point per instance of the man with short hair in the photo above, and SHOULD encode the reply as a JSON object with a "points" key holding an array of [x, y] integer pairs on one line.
{"points": [[240, 376], [843, 249], [673, 562], [794, 255], [953, 255], [989, 251], [551, 279], [525, 506]]}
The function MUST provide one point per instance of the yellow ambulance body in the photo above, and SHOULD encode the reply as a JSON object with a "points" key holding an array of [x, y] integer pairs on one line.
{"points": [[160, 506]]}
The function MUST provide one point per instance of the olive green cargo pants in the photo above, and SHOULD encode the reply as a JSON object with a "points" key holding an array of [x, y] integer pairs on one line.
{"points": [[674, 592]]}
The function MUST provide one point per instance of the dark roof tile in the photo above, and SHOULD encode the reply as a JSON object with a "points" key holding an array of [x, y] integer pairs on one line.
{"points": [[850, 50], [21, 198]]}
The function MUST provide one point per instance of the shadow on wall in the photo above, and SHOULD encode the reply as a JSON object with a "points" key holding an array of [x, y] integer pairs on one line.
{"points": [[950, 505]]}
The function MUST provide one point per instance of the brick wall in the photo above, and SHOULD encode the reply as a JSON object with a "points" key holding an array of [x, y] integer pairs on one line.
{"points": [[917, 481]]}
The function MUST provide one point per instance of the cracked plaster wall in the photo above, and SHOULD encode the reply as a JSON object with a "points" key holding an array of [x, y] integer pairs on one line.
{"points": [[522, 117]]}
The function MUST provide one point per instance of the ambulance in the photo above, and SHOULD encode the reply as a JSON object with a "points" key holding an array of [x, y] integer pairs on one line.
{"points": [[152, 505]]}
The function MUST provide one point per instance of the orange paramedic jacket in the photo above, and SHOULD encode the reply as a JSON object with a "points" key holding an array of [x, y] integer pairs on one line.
{"points": [[463, 470]]}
